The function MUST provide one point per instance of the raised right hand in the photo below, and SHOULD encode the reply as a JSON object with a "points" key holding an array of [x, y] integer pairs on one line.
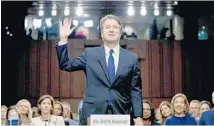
{"points": [[64, 29]]}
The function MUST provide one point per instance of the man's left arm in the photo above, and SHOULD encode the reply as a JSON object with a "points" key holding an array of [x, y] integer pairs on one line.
{"points": [[136, 90]]}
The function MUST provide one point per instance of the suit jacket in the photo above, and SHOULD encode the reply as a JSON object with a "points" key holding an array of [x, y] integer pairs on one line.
{"points": [[124, 93], [207, 117]]}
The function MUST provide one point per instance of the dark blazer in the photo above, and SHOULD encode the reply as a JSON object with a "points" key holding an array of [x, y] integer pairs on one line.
{"points": [[207, 117], [124, 94]]}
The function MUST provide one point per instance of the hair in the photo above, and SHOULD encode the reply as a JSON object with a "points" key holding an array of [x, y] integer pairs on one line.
{"points": [[68, 104], [110, 16], [195, 101], [42, 98], [185, 101], [4, 106], [58, 102], [29, 114], [213, 94], [205, 102], [168, 105], [152, 117], [164, 103], [13, 107], [5, 121], [71, 115]]}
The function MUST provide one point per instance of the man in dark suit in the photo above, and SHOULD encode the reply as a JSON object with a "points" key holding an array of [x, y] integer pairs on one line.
{"points": [[207, 117], [113, 76]]}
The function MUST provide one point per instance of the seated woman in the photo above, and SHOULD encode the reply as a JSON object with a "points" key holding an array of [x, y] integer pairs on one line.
{"points": [[58, 108], [165, 110], [24, 109], [13, 117], [158, 116], [3, 115], [180, 109], [46, 106], [67, 114], [204, 106], [148, 114]]}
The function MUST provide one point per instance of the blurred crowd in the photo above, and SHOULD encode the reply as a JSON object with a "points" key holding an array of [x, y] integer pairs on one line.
{"points": [[178, 111]]}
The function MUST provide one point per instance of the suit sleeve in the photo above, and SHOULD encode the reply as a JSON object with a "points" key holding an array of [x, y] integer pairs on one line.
{"points": [[70, 64], [136, 91], [201, 121]]}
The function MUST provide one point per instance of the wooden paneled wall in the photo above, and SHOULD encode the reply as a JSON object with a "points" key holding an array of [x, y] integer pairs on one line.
{"points": [[39, 70]]}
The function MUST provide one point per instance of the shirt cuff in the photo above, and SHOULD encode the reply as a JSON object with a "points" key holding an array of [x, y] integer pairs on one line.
{"points": [[61, 43]]}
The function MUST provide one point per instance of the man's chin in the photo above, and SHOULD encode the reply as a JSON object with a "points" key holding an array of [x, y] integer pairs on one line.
{"points": [[112, 41]]}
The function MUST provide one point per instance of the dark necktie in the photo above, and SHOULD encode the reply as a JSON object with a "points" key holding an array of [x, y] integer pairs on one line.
{"points": [[111, 66]]}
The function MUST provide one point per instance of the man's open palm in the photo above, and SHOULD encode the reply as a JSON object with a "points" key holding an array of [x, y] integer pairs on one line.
{"points": [[65, 28]]}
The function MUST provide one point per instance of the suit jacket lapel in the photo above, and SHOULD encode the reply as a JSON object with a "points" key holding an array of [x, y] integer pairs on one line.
{"points": [[103, 64]]}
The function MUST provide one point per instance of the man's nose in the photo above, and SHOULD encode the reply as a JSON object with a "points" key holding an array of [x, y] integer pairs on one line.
{"points": [[111, 29]]}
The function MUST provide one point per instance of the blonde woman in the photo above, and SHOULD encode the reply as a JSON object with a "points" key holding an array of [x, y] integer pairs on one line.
{"points": [[180, 109], [58, 108], [3, 115], [24, 109], [46, 106], [165, 111]]}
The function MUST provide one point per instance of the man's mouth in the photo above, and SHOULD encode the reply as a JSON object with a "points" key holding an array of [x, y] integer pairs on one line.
{"points": [[111, 35]]}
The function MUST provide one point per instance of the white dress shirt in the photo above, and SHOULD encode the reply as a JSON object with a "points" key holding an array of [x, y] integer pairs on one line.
{"points": [[115, 55]]}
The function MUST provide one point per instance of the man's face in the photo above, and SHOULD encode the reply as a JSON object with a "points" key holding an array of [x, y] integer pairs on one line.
{"points": [[111, 31]]}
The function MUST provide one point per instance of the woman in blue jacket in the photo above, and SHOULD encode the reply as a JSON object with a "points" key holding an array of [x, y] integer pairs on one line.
{"points": [[180, 108]]}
